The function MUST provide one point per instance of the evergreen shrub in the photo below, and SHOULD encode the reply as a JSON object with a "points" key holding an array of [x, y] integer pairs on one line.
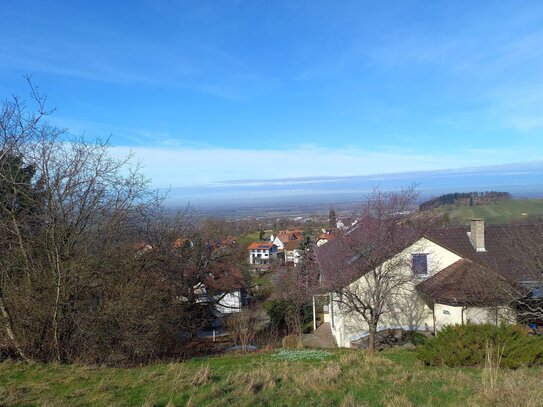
{"points": [[466, 345]]}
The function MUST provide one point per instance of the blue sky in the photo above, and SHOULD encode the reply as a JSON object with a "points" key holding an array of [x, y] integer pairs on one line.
{"points": [[212, 91]]}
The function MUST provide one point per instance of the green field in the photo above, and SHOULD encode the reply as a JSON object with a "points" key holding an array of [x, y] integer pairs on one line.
{"points": [[343, 378], [500, 212], [249, 238]]}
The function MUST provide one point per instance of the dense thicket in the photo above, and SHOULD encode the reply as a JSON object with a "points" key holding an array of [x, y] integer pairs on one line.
{"points": [[465, 198], [470, 345], [92, 269]]}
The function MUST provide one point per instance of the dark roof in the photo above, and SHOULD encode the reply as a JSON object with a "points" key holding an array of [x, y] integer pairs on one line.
{"points": [[479, 278], [225, 279], [468, 283], [501, 252], [292, 244], [344, 257]]}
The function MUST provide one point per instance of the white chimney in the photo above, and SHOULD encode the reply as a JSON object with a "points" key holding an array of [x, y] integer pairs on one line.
{"points": [[477, 234]]}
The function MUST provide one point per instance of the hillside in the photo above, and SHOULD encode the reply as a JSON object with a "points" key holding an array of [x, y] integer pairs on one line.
{"points": [[499, 212], [340, 378]]}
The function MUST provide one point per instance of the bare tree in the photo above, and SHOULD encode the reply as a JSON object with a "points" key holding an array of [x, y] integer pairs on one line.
{"points": [[243, 327], [67, 213], [361, 267], [191, 259], [524, 250], [296, 286], [291, 287], [91, 267]]}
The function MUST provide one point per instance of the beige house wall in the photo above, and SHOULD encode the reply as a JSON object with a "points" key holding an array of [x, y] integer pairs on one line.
{"points": [[407, 310], [450, 315]]}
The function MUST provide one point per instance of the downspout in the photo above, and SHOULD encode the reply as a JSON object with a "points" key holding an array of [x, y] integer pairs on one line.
{"points": [[332, 323], [314, 316], [434, 317]]}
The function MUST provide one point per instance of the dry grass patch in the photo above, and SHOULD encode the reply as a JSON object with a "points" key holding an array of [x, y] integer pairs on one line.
{"points": [[318, 378], [513, 388], [350, 401], [397, 400], [202, 376]]}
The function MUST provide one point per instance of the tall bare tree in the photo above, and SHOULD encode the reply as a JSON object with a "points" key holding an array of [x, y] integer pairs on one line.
{"points": [[525, 252], [74, 281], [360, 267]]}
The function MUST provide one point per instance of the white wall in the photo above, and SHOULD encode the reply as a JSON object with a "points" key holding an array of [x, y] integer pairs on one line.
{"points": [[407, 310], [320, 242], [231, 302], [449, 315], [293, 255], [278, 243], [265, 254]]}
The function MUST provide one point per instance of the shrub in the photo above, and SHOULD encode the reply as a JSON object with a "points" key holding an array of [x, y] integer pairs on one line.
{"points": [[280, 311], [417, 338], [292, 342], [466, 345]]}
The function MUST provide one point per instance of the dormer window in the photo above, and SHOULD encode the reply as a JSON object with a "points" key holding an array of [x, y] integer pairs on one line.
{"points": [[419, 264]]}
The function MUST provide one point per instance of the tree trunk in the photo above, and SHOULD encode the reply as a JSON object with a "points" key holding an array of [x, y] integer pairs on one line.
{"points": [[372, 337], [8, 324], [56, 308]]}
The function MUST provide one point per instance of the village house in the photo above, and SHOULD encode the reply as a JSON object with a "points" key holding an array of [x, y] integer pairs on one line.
{"points": [[325, 237], [226, 289], [262, 252], [284, 236], [292, 252], [455, 275], [345, 223], [223, 286]]}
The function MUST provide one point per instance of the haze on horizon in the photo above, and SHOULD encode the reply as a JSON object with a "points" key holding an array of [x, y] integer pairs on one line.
{"points": [[210, 93]]}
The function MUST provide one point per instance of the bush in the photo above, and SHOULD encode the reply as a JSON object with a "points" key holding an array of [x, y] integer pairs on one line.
{"points": [[416, 338], [280, 311], [292, 342], [466, 345]]}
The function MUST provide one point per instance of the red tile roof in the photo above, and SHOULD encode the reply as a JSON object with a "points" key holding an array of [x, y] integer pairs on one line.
{"points": [[286, 235], [326, 236], [260, 245]]}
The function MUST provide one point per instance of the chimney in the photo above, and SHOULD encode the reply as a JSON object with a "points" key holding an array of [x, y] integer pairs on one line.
{"points": [[477, 234]]}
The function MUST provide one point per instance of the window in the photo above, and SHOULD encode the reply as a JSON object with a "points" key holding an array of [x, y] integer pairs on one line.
{"points": [[420, 264]]}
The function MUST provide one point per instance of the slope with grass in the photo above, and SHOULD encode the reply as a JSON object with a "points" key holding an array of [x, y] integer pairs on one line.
{"points": [[291, 378], [499, 212]]}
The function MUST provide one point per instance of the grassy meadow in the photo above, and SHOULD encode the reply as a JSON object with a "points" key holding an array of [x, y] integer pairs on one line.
{"points": [[339, 377], [500, 212]]}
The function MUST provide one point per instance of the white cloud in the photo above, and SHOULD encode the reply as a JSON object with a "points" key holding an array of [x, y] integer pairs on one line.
{"points": [[195, 166]]}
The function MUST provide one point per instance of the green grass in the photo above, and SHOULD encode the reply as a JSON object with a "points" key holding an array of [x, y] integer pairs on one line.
{"points": [[343, 378], [248, 238], [500, 212]]}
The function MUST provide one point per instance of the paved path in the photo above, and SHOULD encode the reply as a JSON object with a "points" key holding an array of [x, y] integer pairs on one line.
{"points": [[321, 338]]}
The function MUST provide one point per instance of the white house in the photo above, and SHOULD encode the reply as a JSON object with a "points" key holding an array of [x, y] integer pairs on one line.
{"points": [[292, 251], [262, 252], [224, 288], [453, 275], [325, 237], [284, 236], [345, 223]]}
